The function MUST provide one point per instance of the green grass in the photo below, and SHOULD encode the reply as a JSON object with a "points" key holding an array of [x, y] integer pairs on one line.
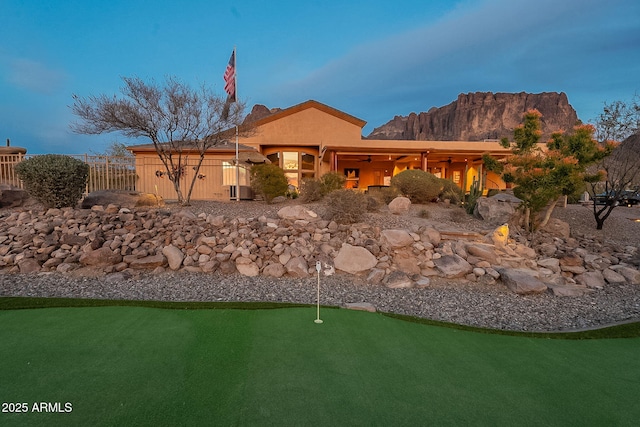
{"points": [[167, 365]]}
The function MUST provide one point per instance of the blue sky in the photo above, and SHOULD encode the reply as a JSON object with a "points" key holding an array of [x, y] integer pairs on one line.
{"points": [[373, 59]]}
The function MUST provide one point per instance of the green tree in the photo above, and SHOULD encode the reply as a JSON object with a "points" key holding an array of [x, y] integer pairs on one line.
{"points": [[542, 175]]}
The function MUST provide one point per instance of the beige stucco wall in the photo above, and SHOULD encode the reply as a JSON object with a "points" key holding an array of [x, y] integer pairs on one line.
{"points": [[208, 187], [310, 127]]}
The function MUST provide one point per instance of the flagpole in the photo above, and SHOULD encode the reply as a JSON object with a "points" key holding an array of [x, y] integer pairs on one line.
{"points": [[235, 84]]}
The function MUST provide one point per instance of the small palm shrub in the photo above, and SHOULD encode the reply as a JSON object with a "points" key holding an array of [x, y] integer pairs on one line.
{"points": [[55, 180], [269, 181], [419, 186], [346, 206]]}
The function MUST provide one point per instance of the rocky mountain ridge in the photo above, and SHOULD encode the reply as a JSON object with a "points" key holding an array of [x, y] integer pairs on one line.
{"points": [[479, 116]]}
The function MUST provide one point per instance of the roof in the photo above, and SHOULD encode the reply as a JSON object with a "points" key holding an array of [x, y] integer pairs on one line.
{"points": [[220, 148], [310, 104]]}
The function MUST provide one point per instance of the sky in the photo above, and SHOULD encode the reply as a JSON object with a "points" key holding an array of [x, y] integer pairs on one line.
{"points": [[372, 59]]}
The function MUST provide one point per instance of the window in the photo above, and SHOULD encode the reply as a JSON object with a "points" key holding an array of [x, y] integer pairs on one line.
{"points": [[290, 160], [296, 164], [229, 174]]}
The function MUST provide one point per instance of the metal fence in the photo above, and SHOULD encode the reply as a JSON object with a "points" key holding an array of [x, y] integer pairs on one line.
{"points": [[105, 172]]}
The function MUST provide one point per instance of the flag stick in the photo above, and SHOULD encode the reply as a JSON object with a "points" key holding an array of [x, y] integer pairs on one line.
{"points": [[318, 267], [235, 85]]}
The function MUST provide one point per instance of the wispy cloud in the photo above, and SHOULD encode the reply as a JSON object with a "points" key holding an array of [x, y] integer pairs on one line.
{"points": [[33, 75], [490, 45]]}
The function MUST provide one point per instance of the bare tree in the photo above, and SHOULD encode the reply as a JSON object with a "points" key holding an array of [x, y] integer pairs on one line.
{"points": [[619, 173], [176, 118]]}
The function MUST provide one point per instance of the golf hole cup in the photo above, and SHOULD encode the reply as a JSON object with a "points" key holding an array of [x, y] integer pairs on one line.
{"points": [[318, 268]]}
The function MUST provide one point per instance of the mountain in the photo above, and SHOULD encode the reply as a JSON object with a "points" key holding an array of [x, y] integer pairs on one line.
{"points": [[481, 115], [258, 112]]}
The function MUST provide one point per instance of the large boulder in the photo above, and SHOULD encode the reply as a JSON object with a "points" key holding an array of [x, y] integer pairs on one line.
{"points": [[522, 281], [453, 266], [354, 259], [122, 198], [174, 256], [397, 238], [483, 251], [399, 205], [498, 209], [101, 257]]}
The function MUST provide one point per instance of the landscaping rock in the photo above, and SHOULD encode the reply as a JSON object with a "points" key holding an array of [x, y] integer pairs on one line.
{"points": [[398, 280], [397, 238], [496, 210], [174, 256], [399, 205], [453, 266], [297, 212], [521, 281], [591, 279], [354, 259], [100, 257]]}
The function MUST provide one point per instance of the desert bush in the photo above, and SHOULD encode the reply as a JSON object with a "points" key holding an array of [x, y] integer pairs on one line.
{"points": [[346, 206], [386, 195], [54, 180], [373, 204], [451, 191], [313, 189], [424, 214], [269, 181], [419, 186], [332, 181]]}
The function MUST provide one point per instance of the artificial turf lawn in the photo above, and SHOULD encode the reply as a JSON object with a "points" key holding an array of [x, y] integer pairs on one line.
{"points": [[150, 366]]}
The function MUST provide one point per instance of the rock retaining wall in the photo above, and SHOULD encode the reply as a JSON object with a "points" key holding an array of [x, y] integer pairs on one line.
{"points": [[114, 240]]}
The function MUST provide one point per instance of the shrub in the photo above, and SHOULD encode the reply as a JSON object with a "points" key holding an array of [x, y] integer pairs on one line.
{"points": [[419, 186], [346, 206], [54, 180], [451, 191], [313, 189], [269, 181], [373, 204], [332, 181], [387, 194], [424, 214]]}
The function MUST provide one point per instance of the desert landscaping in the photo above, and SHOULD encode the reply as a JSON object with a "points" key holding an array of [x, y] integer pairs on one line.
{"points": [[431, 260]]}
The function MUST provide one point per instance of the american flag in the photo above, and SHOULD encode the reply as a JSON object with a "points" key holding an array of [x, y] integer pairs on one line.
{"points": [[230, 78]]}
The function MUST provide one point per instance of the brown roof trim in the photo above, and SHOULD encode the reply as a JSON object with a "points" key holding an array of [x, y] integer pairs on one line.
{"points": [[310, 104], [220, 148]]}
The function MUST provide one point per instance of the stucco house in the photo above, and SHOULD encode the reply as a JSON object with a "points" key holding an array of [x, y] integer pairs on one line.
{"points": [[310, 139]]}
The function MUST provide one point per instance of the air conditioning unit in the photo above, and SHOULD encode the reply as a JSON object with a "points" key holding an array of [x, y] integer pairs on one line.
{"points": [[246, 192]]}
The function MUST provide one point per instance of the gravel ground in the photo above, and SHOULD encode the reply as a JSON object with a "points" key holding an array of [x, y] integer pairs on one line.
{"points": [[477, 305], [459, 302]]}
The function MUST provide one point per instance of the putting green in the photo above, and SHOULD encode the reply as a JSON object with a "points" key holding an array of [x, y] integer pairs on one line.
{"points": [[149, 366]]}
